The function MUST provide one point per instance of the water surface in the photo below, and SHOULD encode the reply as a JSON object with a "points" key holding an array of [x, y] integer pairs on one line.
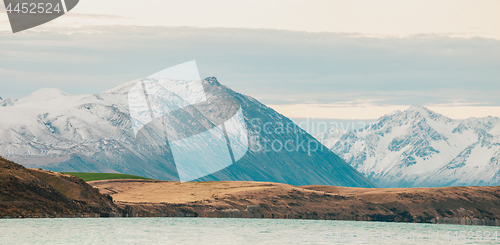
{"points": [[235, 231]]}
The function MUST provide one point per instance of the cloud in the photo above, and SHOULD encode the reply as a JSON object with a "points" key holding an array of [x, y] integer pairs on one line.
{"points": [[276, 67], [386, 18], [96, 16], [22, 83], [369, 111], [449, 96]]}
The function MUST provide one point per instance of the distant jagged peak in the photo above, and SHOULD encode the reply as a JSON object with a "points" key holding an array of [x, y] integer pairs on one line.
{"points": [[212, 81], [481, 125], [420, 112], [414, 115], [418, 108]]}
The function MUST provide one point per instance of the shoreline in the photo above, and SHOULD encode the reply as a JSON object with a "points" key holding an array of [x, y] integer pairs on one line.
{"points": [[435, 221], [34, 193], [445, 205]]}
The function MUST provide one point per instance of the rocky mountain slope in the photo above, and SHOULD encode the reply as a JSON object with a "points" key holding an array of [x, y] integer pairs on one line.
{"points": [[420, 148], [93, 133]]}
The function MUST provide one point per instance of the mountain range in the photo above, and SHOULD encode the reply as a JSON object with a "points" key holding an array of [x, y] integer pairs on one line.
{"points": [[53, 130], [420, 148]]}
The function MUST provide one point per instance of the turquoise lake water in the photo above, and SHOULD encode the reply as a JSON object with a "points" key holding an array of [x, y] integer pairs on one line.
{"points": [[235, 231]]}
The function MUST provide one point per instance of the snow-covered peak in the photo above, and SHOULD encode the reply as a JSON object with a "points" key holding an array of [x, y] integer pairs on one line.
{"points": [[418, 147], [125, 88], [94, 133], [420, 112], [412, 116], [44, 94], [419, 108]]}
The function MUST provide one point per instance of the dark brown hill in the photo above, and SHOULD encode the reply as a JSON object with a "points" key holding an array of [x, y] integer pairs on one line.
{"points": [[37, 193]]}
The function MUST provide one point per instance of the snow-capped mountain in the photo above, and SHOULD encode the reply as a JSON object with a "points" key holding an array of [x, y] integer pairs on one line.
{"points": [[94, 133], [421, 148]]}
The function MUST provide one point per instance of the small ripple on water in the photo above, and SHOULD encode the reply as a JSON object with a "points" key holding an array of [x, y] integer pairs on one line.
{"points": [[229, 231]]}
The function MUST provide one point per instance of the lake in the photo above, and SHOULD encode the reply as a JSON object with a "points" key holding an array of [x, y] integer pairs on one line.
{"points": [[235, 231]]}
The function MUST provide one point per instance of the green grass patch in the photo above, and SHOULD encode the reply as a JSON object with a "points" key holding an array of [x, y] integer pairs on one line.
{"points": [[103, 176]]}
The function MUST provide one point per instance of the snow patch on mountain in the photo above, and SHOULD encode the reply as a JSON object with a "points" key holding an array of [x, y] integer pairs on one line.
{"points": [[43, 94]]}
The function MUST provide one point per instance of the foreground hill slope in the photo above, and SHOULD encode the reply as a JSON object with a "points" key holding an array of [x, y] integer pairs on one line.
{"points": [[37, 193], [458, 205]]}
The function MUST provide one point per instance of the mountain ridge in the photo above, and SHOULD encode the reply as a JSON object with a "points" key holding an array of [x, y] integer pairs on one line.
{"points": [[422, 148], [93, 133]]}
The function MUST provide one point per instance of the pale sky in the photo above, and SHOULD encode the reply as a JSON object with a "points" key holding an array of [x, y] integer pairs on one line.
{"points": [[338, 111], [462, 18], [313, 58]]}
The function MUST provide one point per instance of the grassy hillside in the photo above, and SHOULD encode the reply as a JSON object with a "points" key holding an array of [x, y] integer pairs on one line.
{"points": [[103, 176]]}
